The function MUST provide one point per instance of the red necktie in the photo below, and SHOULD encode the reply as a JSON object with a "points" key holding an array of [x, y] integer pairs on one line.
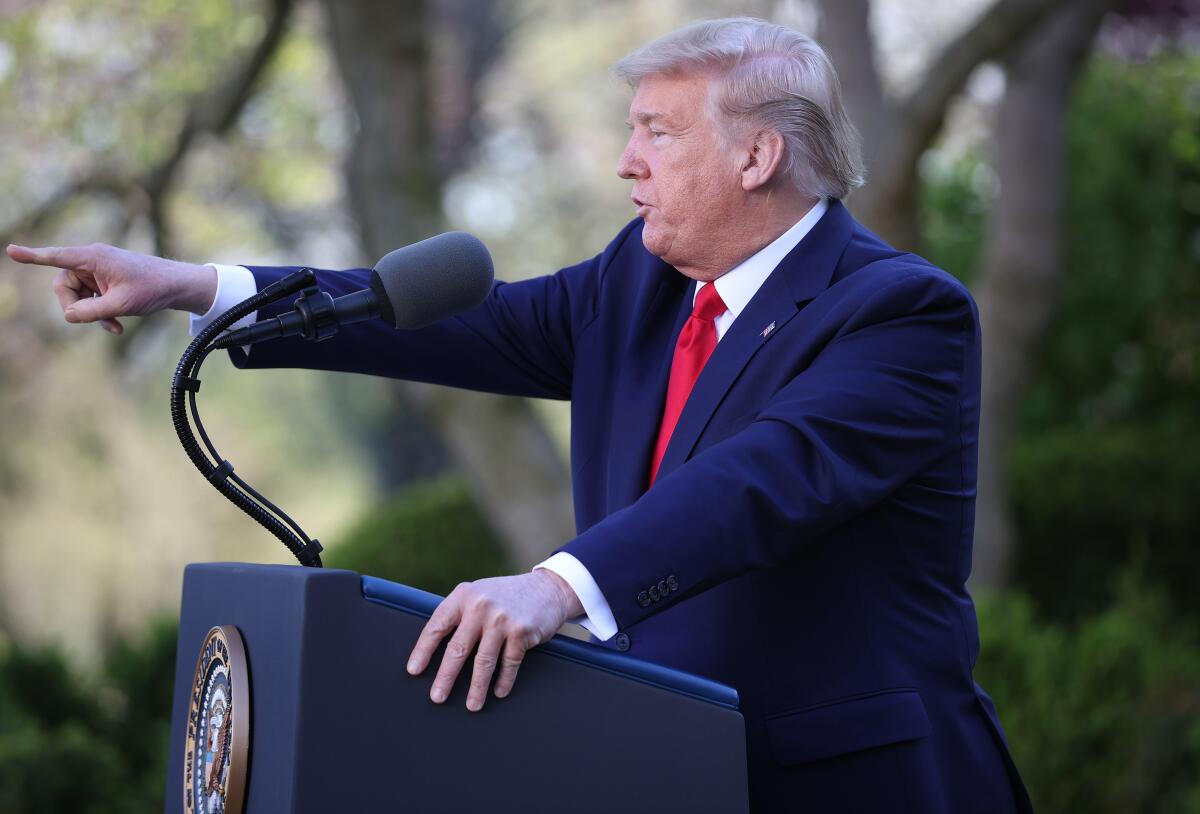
{"points": [[696, 343]]}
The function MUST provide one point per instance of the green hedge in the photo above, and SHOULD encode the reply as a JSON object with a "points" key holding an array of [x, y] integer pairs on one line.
{"points": [[1090, 505], [70, 743], [1101, 717], [75, 744], [431, 536]]}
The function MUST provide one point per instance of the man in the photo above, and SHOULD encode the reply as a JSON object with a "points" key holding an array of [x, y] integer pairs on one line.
{"points": [[774, 431]]}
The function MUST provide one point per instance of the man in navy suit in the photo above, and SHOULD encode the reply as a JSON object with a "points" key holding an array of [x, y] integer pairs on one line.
{"points": [[774, 435]]}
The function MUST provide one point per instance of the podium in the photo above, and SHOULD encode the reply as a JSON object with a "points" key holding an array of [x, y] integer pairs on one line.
{"points": [[336, 724]]}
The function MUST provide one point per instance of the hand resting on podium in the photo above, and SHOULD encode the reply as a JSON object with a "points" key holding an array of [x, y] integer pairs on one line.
{"points": [[506, 617]]}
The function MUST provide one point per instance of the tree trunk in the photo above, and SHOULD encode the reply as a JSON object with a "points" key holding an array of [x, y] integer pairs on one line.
{"points": [[1044, 45], [887, 202], [897, 131], [517, 475], [1022, 264]]}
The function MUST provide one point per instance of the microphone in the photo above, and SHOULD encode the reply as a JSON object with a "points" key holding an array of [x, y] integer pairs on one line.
{"points": [[410, 288]]}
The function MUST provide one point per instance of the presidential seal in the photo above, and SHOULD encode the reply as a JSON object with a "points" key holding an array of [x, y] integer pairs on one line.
{"points": [[218, 728]]}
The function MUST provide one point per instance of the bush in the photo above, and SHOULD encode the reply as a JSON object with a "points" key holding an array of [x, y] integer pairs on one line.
{"points": [[431, 536], [78, 745], [1107, 462], [70, 743], [1091, 504], [1101, 717]]}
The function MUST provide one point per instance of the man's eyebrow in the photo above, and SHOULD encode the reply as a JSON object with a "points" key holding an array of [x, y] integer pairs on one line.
{"points": [[646, 117]]}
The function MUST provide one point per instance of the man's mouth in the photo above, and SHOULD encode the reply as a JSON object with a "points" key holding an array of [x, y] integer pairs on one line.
{"points": [[642, 206]]}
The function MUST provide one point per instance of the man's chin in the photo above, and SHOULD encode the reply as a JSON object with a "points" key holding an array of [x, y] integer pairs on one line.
{"points": [[654, 241]]}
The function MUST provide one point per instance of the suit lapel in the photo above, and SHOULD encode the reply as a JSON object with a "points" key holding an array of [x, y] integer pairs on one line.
{"points": [[642, 383], [800, 276]]}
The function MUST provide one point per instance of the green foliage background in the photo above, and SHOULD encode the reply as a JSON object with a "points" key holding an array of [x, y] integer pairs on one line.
{"points": [[1093, 657]]}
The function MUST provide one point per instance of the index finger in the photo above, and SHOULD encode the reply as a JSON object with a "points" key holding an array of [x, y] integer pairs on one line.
{"points": [[63, 257], [444, 619]]}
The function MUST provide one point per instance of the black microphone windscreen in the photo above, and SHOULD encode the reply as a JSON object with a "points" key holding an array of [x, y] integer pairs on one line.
{"points": [[434, 279]]}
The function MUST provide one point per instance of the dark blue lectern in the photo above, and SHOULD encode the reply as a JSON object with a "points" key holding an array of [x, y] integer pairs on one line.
{"points": [[337, 725]]}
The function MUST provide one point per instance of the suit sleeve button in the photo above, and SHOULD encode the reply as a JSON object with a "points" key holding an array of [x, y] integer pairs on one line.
{"points": [[662, 587], [672, 583], [622, 642], [654, 593], [643, 599]]}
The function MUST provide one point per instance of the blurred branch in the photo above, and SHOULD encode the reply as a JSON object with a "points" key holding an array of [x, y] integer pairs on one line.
{"points": [[213, 113], [897, 131], [1005, 24], [473, 33], [210, 113], [98, 182]]}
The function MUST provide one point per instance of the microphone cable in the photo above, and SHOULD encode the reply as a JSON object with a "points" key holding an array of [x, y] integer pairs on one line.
{"points": [[219, 471]]}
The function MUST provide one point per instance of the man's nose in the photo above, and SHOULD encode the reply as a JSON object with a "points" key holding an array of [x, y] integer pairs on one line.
{"points": [[630, 165]]}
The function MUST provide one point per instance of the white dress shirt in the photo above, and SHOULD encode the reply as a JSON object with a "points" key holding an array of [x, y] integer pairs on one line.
{"points": [[234, 284], [736, 287]]}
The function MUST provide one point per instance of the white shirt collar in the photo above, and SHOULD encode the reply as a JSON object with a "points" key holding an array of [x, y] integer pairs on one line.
{"points": [[739, 285]]}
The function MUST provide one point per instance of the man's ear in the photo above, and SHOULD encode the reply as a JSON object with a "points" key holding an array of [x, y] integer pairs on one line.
{"points": [[763, 161]]}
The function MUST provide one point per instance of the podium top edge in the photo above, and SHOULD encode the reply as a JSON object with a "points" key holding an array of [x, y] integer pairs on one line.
{"points": [[422, 603]]}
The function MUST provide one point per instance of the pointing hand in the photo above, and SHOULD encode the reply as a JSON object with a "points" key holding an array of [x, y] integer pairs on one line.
{"points": [[99, 283]]}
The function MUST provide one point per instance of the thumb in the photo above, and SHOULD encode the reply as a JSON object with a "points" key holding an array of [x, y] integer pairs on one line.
{"points": [[90, 309]]}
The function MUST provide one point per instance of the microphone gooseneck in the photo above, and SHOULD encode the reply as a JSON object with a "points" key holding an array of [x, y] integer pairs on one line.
{"points": [[409, 288], [216, 470]]}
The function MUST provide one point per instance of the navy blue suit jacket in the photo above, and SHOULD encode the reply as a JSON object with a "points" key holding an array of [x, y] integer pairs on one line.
{"points": [[809, 534]]}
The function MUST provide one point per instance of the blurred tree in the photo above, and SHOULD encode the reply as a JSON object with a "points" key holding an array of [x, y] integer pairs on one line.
{"points": [[411, 71], [1023, 260], [1042, 45], [162, 108], [146, 190], [1103, 465], [897, 131], [516, 472]]}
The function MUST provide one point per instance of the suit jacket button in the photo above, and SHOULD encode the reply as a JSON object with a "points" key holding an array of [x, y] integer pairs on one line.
{"points": [[672, 583], [622, 642], [654, 593], [662, 587], [643, 599]]}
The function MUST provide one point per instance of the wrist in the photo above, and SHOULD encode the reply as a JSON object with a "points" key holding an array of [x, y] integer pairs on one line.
{"points": [[197, 287], [571, 605]]}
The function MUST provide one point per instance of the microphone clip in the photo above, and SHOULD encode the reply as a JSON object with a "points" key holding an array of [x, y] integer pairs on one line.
{"points": [[317, 314]]}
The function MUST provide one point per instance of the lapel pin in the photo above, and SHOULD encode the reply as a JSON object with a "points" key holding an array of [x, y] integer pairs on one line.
{"points": [[767, 330]]}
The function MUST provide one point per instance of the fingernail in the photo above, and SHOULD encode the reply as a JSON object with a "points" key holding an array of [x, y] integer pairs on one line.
{"points": [[70, 315], [438, 695], [412, 667], [501, 693], [474, 706]]}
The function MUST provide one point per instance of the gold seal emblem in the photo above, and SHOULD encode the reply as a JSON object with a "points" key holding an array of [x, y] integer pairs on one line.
{"points": [[218, 728]]}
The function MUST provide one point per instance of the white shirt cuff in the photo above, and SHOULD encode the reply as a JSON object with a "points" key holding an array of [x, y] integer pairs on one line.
{"points": [[599, 620], [234, 284]]}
